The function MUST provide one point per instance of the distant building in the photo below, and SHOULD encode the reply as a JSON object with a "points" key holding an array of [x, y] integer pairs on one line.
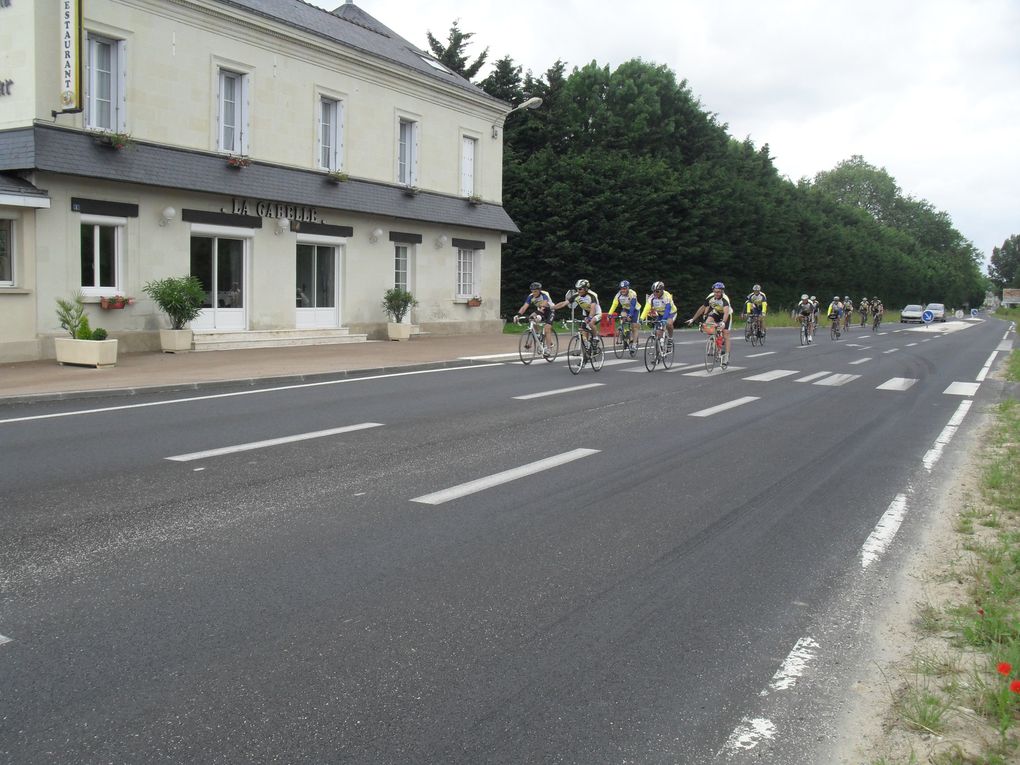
{"points": [[298, 162], [1011, 298]]}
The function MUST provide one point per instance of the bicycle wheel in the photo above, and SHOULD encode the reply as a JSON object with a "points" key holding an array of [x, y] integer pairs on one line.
{"points": [[803, 333], [619, 341], [667, 357], [651, 353], [710, 357], [575, 355], [634, 345], [749, 331], [528, 347], [598, 354], [755, 340], [553, 347], [833, 332]]}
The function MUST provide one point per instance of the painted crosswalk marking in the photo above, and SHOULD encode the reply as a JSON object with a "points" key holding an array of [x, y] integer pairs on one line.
{"points": [[774, 374], [759, 355], [962, 389], [812, 378], [897, 383], [860, 361], [706, 373], [836, 380], [471, 487], [723, 407]]}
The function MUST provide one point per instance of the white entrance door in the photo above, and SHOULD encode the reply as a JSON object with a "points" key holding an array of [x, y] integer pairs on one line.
{"points": [[318, 286], [219, 264], [403, 255]]}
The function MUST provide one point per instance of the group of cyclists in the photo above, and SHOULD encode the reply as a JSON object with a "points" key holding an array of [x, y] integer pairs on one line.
{"points": [[840, 312], [715, 312]]}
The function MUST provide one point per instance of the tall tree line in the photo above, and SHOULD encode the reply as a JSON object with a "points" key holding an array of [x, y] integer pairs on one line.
{"points": [[621, 174]]}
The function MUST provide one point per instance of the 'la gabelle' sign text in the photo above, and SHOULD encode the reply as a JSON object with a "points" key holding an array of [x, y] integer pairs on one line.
{"points": [[265, 209]]}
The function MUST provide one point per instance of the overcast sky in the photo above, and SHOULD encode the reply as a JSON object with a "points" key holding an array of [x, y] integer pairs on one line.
{"points": [[927, 89]]}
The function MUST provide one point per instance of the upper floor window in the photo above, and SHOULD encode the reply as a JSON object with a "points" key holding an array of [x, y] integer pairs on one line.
{"points": [[407, 153], [331, 132], [6, 253], [468, 152], [233, 112], [104, 107], [101, 256]]}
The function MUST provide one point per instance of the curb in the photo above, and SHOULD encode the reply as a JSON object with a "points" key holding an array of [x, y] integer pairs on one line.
{"points": [[251, 382]]}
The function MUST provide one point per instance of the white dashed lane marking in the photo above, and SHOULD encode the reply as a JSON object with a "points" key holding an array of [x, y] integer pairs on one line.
{"points": [[723, 407], [897, 383], [860, 361], [530, 396]]}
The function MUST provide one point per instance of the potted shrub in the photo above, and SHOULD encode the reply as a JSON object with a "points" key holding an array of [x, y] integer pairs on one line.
{"points": [[337, 176], [181, 298], [397, 302], [237, 161], [474, 302], [85, 345]]}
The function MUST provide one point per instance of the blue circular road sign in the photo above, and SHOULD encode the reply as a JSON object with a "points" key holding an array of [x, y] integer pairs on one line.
{"points": [[927, 317], [973, 312]]}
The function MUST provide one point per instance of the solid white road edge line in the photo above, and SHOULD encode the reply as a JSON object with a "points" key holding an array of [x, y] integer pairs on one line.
{"points": [[882, 536], [748, 735], [723, 407], [794, 666], [932, 455], [480, 484], [557, 392], [272, 442], [212, 396]]}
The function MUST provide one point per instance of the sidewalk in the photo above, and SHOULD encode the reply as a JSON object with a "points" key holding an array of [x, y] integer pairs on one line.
{"points": [[134, 373]]}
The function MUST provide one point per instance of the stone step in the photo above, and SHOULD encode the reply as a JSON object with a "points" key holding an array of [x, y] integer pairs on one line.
{"points": [[276, 338]]}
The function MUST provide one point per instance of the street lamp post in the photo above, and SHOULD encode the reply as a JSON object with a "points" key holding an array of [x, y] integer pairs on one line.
{"points": [[532, 103]]}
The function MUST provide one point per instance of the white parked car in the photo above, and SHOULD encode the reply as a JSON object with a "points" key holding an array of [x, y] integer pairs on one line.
{"points": [[911, 313], [938, 311]]}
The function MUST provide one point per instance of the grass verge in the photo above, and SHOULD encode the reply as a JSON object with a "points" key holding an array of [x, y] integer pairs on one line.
{"points": [[959, 704]]}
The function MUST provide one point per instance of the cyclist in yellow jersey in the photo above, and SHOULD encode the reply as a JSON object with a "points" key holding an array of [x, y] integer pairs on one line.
{"points": [[756, 304], [587, 300], [659, 306], [717, 307], [627, 300]]}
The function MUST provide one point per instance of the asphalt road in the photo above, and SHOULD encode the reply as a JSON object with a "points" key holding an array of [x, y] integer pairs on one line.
{"points": [[359, 596]]}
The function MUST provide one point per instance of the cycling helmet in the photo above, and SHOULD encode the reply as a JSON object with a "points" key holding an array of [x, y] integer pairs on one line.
{"points": [[625, 285], [658, 286], [756, 288], [718, 286], [535, 286], [582, 284], [804, 297], [813, 297], [846, 297]]}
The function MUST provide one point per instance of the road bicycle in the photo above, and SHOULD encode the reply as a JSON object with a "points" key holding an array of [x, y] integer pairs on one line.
{"points": [[834, 329], [877, 321], [658, 347], [621, 337], [715, 347], [864, 318], [532, 344], [753, 330], [585, 347], [847, 323], [806, 331]]}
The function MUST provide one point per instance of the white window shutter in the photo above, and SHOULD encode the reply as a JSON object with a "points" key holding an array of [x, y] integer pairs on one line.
{"points": [[219, 109], [415, 154], [339, 144], [467, 166], [121, 120], [318, 131], [246, 116]]}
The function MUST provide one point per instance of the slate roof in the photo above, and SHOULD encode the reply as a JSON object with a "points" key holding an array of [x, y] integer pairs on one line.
{"points": [[71, 152], [350, 25], [12, 184]]}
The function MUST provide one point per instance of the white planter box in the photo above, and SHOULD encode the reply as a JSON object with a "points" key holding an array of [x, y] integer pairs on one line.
{"points": [[90, 353], [398, 331], [175, 340]]}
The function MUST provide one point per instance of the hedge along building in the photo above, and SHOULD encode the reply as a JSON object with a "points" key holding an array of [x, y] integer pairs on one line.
{"points": [[298, 162]]}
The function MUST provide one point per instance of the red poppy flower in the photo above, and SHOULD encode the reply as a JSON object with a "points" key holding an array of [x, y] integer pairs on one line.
{"points": [[1015, 686], [1005, 668]]}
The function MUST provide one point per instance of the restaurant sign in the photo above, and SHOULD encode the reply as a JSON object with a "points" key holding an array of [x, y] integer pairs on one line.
{"points": [[264, 209], [70, 54]]}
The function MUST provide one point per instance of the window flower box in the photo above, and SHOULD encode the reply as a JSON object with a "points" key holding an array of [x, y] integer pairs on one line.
{"points": [[336, 176], [238, 161], [474, 200], [113, 140], [410, 191], [115, 302], [474, 302]]}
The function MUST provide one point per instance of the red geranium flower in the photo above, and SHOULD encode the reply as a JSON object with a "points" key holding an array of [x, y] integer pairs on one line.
{"points": [[1005, 668]]}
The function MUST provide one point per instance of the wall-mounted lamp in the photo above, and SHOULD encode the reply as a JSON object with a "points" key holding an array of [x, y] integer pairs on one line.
{"points": [[282, 225], [532, 103], [167, 215], [374, 236], [441, 241]]}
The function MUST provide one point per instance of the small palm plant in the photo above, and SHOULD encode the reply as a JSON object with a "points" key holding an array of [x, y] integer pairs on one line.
{"points": [[397, 302]]}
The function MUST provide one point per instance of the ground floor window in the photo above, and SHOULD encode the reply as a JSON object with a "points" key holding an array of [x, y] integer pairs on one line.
{"points": [[316, 276], [467, 273], [100, 254], [6, 253], [400, 264], [219, 264]]}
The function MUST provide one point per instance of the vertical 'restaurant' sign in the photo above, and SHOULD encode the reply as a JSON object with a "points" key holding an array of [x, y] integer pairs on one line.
{"points": [[70, 54]]}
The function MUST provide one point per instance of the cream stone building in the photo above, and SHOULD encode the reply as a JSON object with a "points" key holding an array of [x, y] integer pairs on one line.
{"points": [[299, 162]]}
